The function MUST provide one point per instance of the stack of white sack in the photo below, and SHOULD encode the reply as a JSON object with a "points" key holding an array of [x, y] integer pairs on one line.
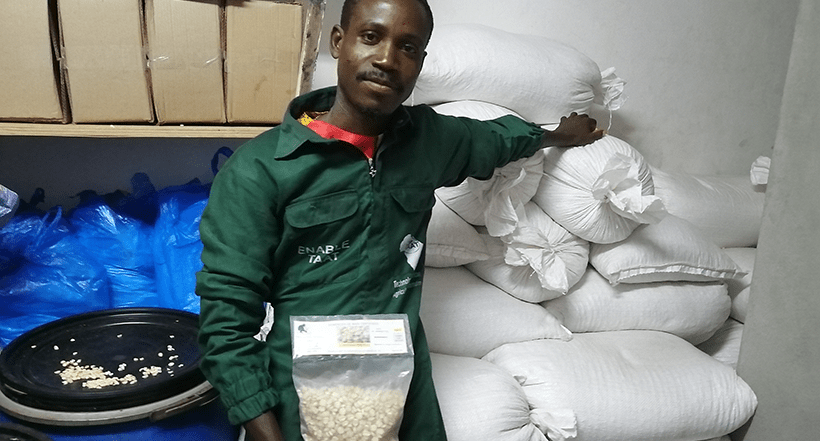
{"points": [[685, 304], [585, 275]]}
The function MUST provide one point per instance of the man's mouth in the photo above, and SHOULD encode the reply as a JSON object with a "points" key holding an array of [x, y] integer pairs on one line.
{"points": [[379, 82]]}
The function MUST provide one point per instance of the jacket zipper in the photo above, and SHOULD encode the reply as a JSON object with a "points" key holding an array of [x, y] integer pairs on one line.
{"points": [[372, 164]]}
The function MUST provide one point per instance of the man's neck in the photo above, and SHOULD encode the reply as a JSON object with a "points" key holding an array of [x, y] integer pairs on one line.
{"points": [[354, 121]]}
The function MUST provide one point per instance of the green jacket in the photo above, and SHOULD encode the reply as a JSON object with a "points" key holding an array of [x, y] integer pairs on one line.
{"points": [[314, 228]]}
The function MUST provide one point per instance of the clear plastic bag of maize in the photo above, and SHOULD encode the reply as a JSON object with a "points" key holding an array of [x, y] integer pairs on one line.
{"points": [[351, 374]]}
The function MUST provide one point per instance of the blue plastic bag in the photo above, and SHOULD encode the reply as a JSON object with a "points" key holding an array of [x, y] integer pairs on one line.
{"points": [[122, 245], [177, 246], [45, 274], [13, 327], [141, 203], [144, 202]]}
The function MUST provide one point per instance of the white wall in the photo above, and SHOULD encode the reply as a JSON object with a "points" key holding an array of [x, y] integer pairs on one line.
{"points": [[704, 77], [705, 80]]}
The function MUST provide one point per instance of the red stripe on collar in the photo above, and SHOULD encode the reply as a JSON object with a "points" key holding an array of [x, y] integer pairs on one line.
{"points": [[367, 144]]}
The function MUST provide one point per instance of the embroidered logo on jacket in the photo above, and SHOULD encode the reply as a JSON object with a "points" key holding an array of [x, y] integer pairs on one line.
{"points": [[324, 253], [400, 286], [411, 248]]}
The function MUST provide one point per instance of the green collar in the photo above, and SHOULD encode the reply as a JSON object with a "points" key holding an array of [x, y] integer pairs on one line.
{"points": [[294, 135]]}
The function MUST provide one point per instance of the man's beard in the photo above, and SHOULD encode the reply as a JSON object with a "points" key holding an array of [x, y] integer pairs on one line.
{"points": [[381, 77], [373, 112]]}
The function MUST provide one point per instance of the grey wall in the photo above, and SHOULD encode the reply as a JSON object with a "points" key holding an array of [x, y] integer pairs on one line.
{"points": [[780, 354], [65, 166]]}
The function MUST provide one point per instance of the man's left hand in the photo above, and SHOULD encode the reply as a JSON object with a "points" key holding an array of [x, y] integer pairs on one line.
{"points": [[573, 130]]}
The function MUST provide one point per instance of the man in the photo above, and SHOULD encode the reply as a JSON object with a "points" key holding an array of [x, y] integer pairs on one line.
{"points": [[315, 216]]}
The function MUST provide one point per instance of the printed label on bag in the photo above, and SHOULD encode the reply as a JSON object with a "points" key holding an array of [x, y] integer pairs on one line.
{"points": [[337, 336]]}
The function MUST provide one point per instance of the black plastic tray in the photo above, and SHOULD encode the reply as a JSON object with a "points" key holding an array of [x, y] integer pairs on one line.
{"points": [[120, 340], [16, 432]]}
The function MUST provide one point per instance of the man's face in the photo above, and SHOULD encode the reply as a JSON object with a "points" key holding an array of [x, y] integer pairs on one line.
{"points": [[380, 54]]}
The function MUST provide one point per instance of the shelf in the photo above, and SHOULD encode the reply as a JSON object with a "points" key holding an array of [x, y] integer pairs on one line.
{"points": [[128, 131]]}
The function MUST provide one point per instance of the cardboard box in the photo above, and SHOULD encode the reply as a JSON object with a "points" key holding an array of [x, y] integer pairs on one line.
{"points": [[185, 60], [30, 86], [262, 59], [105, 61]]}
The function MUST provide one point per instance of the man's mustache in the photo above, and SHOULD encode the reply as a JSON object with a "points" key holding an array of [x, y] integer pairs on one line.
{"points": [[379, 77]]}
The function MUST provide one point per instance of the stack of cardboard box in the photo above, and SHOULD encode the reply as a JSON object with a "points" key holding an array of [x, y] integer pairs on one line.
{"points": [[155, 61]]}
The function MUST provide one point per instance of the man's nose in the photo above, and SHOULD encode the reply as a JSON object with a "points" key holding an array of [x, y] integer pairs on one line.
{"points": [[386, 57]]}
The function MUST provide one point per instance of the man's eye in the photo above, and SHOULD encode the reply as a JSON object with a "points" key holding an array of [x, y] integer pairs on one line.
{"points": [[409, 48], [370, 37]]}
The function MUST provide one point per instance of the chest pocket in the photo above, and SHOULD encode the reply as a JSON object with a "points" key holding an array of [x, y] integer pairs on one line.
{"points": [[410, 230], [322, 210], [323, 240], [415, 205]]}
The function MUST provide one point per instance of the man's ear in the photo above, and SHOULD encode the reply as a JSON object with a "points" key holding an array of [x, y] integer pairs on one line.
{"points": [[336, 36], [421, 62]]}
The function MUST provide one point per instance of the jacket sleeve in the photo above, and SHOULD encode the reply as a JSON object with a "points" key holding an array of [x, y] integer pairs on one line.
{"points": [[477, 148], [232, 284]]}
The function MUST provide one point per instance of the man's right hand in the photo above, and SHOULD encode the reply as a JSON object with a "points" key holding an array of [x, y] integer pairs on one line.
{"points": [[263, 428]]}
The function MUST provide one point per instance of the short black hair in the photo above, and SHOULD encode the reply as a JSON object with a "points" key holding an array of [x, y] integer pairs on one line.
{"points": [[349, 5]]}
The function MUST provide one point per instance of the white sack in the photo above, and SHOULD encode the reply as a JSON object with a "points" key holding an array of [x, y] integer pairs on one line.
{"points": [[692, 311], [8, 204], [724, 346], [728, 209], [520, 282], [539, 78], [629, 385], [739, 288], [558, 257], [524, 282], [451, 241], [466, 316], [599, 192], [493, 202], [479, 110], [481, 402], [672, 250], [759, 172]]}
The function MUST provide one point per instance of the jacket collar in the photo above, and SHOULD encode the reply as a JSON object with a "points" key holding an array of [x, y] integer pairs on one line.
{"points": [[294, 135]]}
